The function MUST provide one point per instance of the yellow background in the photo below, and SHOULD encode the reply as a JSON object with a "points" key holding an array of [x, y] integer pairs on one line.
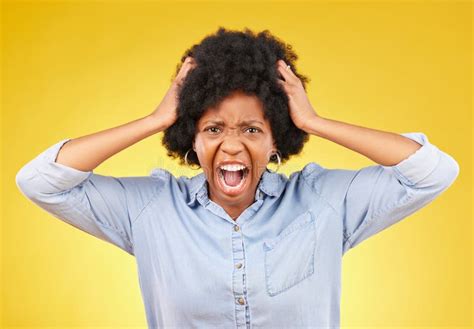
{"points": [[74, 68]]}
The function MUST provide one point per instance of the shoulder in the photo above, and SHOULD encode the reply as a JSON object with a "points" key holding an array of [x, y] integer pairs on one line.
{"points": [[320, 177], [174, 185], [155, 181], [330, 184]]}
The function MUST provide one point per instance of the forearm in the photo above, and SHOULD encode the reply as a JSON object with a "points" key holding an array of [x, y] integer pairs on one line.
{"points": [[384, 148], [87, 152]]}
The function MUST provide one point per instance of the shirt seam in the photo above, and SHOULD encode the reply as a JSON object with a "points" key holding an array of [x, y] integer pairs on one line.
{"points": [[94, 220], [321, 196], [152, 198], [379, 213]]}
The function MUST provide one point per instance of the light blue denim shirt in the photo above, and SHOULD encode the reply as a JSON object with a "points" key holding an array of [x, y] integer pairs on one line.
{"points": [[277, 266]]}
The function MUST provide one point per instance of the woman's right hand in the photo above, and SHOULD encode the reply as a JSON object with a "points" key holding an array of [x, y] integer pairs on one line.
{"points": [[166, 113]]}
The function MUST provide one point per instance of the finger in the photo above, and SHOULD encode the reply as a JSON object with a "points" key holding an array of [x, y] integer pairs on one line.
{"points": [[288, 69], [282, 83], [190, 61], [188, 64], [287, 74]]}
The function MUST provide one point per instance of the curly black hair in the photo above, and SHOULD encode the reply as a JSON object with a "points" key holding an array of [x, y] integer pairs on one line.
{"points": [[230, 61]]}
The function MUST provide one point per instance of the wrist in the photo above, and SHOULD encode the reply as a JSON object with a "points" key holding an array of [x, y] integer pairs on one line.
{"points": [[155, 124], [313, 126]]}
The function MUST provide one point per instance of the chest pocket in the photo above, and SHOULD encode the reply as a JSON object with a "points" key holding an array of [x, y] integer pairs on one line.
{"points": [[289, 257]]}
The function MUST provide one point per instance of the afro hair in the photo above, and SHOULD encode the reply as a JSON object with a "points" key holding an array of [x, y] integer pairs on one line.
{"points": [[230, 61]]}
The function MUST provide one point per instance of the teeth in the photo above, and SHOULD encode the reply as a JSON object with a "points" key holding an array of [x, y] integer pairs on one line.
{"points": [[232, 167]]}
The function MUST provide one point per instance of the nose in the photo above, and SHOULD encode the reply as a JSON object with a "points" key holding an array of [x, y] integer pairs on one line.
{"points": [[231, 143]]}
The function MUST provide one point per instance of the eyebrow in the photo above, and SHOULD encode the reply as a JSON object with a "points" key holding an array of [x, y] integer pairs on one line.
{"points": [[243, 123]]}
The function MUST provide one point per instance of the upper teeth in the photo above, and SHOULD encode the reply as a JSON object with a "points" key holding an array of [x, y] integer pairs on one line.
{"points": [[232, 167]]}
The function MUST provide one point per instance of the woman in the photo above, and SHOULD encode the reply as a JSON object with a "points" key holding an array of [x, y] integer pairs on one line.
{"points": [[238, 245]]}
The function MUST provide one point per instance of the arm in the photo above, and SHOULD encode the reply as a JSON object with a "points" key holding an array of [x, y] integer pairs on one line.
{"points": [[103, 206], [87, 152], [375, 197], [384, 148], [411, 172], [60, 179]]}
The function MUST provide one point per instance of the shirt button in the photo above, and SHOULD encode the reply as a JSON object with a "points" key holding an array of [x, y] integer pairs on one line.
{"points": [[241, 301], [239, 265], [236, 228]]}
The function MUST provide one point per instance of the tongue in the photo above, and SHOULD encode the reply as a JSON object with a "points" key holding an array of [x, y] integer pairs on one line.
{"points": [[233, 178]]}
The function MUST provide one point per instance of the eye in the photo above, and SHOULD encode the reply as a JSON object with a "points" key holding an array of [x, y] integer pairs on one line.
{"points": [[256, 130], [211, 129]]}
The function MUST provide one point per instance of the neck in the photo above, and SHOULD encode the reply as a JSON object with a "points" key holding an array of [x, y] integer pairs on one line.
{"points": [[234, 210]]}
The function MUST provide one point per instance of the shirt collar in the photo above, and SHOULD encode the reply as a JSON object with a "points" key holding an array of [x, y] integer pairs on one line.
{"points": [[271, 183]]}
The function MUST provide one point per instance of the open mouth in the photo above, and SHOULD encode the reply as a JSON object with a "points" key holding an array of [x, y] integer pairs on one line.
{"points": [[232, 178]]}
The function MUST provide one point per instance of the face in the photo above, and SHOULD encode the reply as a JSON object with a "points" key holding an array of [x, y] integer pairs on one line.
{"points": [[229, 137]]}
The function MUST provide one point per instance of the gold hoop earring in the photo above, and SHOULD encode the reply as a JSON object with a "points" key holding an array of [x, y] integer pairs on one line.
{"points": [[186, 160]]}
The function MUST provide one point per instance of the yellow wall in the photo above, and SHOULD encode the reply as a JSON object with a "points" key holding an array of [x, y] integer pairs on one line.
{"points": [[77, 67]]}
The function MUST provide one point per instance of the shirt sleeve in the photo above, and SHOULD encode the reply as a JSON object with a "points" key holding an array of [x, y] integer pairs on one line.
{"points": [[375, 197], [103, 206]]}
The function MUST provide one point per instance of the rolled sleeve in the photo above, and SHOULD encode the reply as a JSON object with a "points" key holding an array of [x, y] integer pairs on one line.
{"points": [[59, 177], [418, 166]]}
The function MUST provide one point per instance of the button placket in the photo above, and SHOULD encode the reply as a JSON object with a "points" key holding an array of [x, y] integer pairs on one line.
{"points": [[238, 278]]}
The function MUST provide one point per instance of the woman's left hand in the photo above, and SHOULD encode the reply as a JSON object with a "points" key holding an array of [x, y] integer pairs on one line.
{"points": [[301, 111]]}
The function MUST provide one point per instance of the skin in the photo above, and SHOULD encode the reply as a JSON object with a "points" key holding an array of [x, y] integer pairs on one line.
{"points": [[234, 139]]}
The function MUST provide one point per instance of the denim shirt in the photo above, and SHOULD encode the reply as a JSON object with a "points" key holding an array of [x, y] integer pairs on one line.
{"points": [[278, 265]]}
